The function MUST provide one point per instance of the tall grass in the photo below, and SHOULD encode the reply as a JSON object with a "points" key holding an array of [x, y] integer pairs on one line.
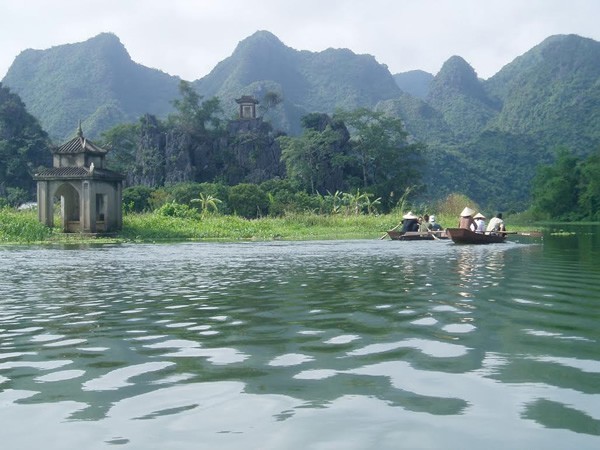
{"points": [[22, 226], [146, 227]]}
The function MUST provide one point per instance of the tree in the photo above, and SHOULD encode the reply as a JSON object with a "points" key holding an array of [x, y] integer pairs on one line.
{"points": [[207, 203], [589, 190], [24, 146], [137, 198], [316, 160], [193, 116], [387, 162], [555, 187], [270, 100], [248, 200], [122, 140]]}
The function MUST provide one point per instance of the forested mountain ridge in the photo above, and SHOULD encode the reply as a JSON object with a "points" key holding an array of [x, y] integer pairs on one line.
{"points": [[414, 82], [95, 81], [306, 81], [552, 92], [461, 98], [492, 133]]}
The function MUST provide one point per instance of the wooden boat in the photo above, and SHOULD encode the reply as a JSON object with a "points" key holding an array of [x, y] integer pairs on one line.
{"points": [[464, 236], [416, 235]]}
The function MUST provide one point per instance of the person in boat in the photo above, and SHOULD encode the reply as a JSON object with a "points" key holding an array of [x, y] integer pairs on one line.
{"points": [[424, 225], [496, 224], [466, 219], [434, 226], [480, 222], [410, 222]]}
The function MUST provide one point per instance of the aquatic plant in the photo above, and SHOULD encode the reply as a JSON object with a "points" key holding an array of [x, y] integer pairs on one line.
{"points": [[21, 226]]}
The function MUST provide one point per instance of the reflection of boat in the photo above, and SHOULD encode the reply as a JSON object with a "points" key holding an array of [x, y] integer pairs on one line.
{"points": [[417, 235], [464, 236]]}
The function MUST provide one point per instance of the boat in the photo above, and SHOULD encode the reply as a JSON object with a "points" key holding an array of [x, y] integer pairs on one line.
{"points": [[464, 236], [417, 235]]}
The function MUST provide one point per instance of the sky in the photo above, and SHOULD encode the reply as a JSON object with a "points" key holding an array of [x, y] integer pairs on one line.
{"points": [[188, 38]]}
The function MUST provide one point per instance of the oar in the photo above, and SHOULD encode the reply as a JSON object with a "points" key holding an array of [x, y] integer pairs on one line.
{"points": [[393, 229], [519, 233]]}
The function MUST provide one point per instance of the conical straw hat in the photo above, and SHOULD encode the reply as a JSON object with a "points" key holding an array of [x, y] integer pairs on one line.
{"points": [[467, 212]]}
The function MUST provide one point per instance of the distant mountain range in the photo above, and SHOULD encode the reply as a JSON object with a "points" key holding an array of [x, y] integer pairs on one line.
{"points": [[483, 135]]}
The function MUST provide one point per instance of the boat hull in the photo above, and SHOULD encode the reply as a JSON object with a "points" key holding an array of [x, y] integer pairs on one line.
{"points": [[464, 236], [416, 235]]}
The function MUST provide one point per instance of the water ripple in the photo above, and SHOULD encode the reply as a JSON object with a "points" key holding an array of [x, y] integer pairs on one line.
{"points": [[261, 342]]}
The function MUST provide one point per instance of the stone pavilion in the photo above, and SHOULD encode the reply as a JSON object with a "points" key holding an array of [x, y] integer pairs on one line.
{"points": [[247, 106], [90, 194]]}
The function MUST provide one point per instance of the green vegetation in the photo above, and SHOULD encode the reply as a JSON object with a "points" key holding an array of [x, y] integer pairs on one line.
{"points": [[147, 227], [342, 216], [568, 189], [22, 226], [178, 222], [95, 81], [450, 133], [23, 148]]}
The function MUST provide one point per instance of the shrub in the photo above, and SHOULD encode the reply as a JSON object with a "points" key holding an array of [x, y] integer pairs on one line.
{"points": [[137, 198], [454, 204], [248, 200], [183, 193], [21, 226], [174, 209]]}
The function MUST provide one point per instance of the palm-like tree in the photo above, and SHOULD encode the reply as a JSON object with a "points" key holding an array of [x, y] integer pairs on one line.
{"points": [[208, 203], [337, 200], [372, 204], [355, 202]]}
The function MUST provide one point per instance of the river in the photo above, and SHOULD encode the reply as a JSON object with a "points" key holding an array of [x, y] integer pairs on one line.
{"points": [[363, 344]]}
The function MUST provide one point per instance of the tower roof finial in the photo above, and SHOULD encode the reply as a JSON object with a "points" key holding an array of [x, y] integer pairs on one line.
{"points": [[79, 130]]}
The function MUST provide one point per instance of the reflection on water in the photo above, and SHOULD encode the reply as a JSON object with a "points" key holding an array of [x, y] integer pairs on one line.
{"points": [[353, 344]]}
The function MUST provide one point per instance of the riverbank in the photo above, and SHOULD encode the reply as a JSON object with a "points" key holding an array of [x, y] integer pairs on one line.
{"points": [[23, 227], [18, 227]]}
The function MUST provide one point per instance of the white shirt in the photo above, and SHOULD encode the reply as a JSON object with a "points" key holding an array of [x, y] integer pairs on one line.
{"points": [[495, 224], [480, 225]]}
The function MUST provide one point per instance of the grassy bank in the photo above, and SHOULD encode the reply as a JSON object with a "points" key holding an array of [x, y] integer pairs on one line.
{"points": [[23, 227], [293, 227]]}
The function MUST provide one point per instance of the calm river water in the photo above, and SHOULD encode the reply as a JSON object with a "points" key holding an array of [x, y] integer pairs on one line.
{"points": [[363, 344]]}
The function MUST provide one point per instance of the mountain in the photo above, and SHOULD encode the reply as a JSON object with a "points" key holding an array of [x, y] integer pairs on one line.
{"points": [[552, 92], [307, 81], [484, 137], [95, 81], [461, 98], [414, 82]]}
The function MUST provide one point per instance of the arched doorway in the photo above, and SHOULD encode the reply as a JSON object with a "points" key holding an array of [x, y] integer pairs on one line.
{"points": [[70, 207]]}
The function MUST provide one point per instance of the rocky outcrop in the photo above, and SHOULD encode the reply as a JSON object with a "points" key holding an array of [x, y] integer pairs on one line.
{"points": [[245, 152]]}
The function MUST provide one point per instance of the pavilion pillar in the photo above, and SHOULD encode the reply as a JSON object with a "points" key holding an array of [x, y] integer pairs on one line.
{"points": [[45, 204]]}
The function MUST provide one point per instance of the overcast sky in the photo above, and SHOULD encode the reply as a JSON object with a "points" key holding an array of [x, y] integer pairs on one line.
{"points": [[189, 37]]}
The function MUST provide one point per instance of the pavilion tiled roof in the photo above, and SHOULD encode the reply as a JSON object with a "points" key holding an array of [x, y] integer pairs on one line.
{"points": [[76, 173], [80, 144], [247, 99]]}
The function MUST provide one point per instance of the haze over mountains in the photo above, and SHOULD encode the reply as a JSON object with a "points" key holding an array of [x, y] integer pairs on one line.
{"points": [[492, 131]]}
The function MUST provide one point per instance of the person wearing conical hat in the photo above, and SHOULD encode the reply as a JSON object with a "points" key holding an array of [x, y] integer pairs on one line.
{"points": [[480, 222], [410, 222], [466, 219]]}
